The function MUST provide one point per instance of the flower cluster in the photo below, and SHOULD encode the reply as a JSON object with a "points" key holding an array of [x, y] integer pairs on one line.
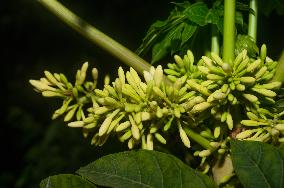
{"points": [[245, 86], [209, 103]]}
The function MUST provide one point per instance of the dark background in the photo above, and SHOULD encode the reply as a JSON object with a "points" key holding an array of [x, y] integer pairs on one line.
{"points": [[33, 40]]}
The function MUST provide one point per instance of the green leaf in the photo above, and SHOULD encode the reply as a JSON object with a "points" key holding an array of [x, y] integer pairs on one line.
{"points": [[197, 13], [143, 168], [187, 32], [65, 181], [258, 164], [160, 50]]}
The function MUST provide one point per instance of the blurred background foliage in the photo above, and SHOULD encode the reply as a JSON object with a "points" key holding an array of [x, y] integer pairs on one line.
{"points": [[33, 40]]}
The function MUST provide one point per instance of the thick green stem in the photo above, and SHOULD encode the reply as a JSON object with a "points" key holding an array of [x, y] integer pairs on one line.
{"points": [[198, 139], [252, 25], [229, 31], [96, 36], [215, 47]]}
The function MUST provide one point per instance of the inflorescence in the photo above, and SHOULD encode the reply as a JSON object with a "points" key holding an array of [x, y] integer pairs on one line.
{"points": [[208, 103]]}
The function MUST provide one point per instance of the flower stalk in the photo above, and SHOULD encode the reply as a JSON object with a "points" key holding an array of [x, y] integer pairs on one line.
{"points": [[252, 25], [229, 31], [97, 37]]}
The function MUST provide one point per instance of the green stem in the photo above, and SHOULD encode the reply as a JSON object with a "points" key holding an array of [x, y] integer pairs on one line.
{"points": [[198, 139], [96, 36], [252, 25], [229, 31], [279, 76], [215, 47]]}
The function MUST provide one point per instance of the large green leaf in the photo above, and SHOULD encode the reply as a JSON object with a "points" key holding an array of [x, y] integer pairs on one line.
{"points": [[258, 164], [197, 13], [65, 181], [143, 168]]}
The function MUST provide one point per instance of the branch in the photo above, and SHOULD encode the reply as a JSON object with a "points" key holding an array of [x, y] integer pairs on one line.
{"points": [[96, 36]]}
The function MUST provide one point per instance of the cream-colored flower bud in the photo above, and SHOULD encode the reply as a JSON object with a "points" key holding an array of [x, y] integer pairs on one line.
{"points": [[261, 72], [252, 116], [245, 134], [134, 128], [190, 56], [125, 136], [70, 113], [121, 75], [219, 95], [158, 75], [45, 81], [271, 85], [214, 77], [230, 121], [105, 125], [114, 123], [204, 153], [168, 124], [253, 123], [160, 138], [265, 92], [200, 107], [51, 94], [221, 151], [203, 69], [149, 142], [41, 86], [238, 60], [130, 143], [217, 59], [214, 144], [217, 131], [107, 80], [263, 52], [240, 87], [101, 110], [279, 127], [198, 87], [123, 126], [247, 80], [135, 76], [76, 124], [250, 97], [147, 76], [251, 67], [184, 137], [51, 78], [95, 74], [207, 61], [178, 60], [281, 140]]}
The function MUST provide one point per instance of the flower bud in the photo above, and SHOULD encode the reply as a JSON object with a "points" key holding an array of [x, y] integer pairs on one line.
{"points": [[265, 92], [200, 107], [150, 144], [217, 59], [253, 123], [207, 61], [250, 98], [190, 56], [204, 153], [70, 113], [160, 138], [134, 129], [184, 137], [76, 124], [251, 67], [261, 72], [123, 126]]}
